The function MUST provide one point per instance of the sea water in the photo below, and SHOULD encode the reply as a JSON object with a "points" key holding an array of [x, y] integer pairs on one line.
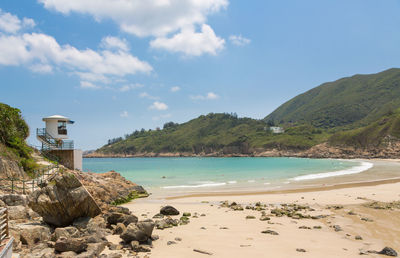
{"points": [[219, 174]]}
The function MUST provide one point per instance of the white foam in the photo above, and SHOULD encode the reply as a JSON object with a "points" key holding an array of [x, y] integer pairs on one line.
{"points": [[194, 186], [267, 183], [354, 170], [232, 182], [251, 181]]}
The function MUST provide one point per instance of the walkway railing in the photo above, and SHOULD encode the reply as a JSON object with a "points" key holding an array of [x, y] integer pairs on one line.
{"points": [[23, 186], [3, 225]]}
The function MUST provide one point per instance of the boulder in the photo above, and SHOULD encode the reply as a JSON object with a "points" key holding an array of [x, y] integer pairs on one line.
{"points": [[77, 245], [138, 232], [67, 232], [388, 251], [119, 229], [14, 199], [17, 212], [63, 200], [169, 210], [31, 233], [93, 250], [135, 246]]}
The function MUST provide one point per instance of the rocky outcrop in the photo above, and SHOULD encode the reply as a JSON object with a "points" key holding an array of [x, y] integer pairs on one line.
{"points": [[9, 167], [63, 200], [108, 187], [140, 231]]}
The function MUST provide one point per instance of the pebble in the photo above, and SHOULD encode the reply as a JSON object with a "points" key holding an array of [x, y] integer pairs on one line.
{"points": [[178, 239], [301, 250], [171, 242], [271, 232]]}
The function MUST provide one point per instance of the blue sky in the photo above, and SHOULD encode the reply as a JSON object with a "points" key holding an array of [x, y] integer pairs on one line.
{"points": [[117, 66]]}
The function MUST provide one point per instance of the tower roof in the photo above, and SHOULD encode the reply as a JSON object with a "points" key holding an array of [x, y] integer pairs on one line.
{"points": [[59, 118]]}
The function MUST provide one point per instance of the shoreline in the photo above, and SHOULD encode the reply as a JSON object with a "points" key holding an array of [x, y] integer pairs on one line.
{"points": [[289, 191]]}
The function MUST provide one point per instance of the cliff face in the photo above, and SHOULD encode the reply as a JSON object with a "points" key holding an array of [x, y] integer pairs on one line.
{"points": [[9, 166]]}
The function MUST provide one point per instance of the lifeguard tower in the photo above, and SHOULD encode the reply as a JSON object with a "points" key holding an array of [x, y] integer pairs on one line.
{"points": [[54, 141]]}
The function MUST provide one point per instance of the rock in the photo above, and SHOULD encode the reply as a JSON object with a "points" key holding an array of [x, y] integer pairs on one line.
{"points": [[154, 237], [171, 243], [93, 250], [135, 246], [169, 210], [119, 229], [301, 250], [158, 216], [17, 212], [187, 214], [178, 239], [77, 245], [271, 232], [304, 227], [250, 217], [337, 228], [264, 218], [388, 251], [184, 220], [81, 223], [63, 200], [138, 232], [14, 199], [114, 218], [67, 232], [31, 233], [367, 219], [111, 255], [130, 219], [317, 227], [69, 254], [358, 237]]}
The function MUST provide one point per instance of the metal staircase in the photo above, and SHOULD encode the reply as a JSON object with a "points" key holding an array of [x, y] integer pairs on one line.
{"points": [[50, 143]]}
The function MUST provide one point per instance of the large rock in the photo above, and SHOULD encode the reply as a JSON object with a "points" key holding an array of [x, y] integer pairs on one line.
{"points": [[31, 233], [14, 199], [140, 231], [77, 245], [67, 232], [17, 212], [63, 200], [169, 210]]}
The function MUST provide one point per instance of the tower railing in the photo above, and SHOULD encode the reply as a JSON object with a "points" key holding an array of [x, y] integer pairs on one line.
{"points": [[51, 143]]}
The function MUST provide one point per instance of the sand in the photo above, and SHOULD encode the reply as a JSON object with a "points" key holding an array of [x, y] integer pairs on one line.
{"points": [[227, 233]]}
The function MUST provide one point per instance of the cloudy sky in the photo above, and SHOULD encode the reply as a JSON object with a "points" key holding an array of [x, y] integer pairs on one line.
{"points": [[114, 66]]}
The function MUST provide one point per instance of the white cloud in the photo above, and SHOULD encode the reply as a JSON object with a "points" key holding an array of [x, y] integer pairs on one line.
{"points": [[129, 87], [209, 96], [191, 43], [41, 53], [114, 43], [175, 88], [124, 114], [238, 40], [156, 18], [147, 96], [89, 85], [158, 106], [12, 24]]}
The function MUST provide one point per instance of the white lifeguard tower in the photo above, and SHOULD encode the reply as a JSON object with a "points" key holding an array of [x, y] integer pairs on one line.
{"points": [[54, 141]]}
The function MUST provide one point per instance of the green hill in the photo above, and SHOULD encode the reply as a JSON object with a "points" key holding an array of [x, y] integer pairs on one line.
{"points": [[359, 111], [213, 133], [13, 132], [377, 135], [351, 102]]}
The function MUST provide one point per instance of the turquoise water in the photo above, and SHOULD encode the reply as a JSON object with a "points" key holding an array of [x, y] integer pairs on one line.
{"points": [[218, 173]]}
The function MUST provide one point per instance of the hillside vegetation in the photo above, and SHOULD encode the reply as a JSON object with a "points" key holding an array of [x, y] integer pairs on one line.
{"points": [[376, 135], [13, 132], [214, 133], [361, 111], [352, 102]]}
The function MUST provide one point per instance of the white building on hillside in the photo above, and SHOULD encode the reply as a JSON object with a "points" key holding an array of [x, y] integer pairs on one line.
{"points": [[276, 129]]}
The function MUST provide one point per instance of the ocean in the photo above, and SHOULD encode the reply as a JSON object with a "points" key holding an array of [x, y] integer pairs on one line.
{"points": [[201, 174]]}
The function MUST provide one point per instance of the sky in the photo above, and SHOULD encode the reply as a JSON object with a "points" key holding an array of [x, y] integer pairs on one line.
{"points": [[115, 66]]}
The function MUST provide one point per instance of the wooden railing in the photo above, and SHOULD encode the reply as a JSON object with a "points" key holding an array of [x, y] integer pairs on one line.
{"points": [[3, 225]]}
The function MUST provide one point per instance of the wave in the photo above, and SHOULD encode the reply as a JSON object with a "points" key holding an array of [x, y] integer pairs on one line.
{"points": [[193, 186], [232, 182], [354, 170]]}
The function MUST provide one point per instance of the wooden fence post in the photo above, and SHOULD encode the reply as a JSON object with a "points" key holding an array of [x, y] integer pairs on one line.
{"points": [[12, 185]]}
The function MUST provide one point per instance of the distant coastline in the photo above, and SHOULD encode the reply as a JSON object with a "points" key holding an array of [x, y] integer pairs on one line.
{"points": [[318, 151]]}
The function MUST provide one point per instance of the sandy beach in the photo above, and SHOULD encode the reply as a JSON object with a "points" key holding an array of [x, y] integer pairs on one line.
{"points": [[225, 232]]}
